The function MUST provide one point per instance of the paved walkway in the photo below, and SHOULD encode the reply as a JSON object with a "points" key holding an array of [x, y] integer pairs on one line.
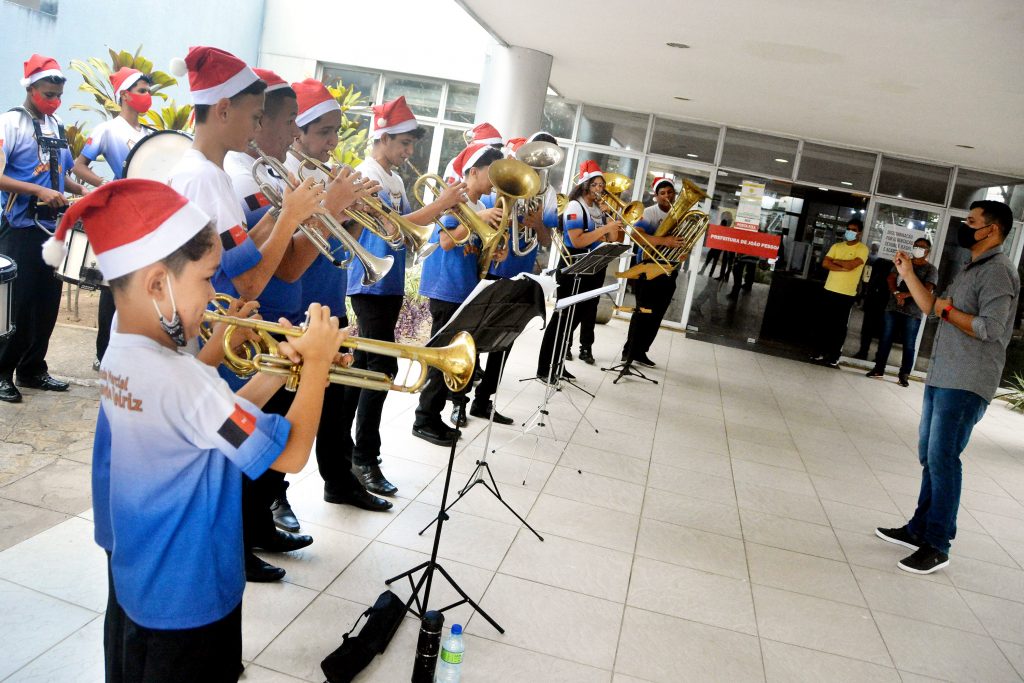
{"points": [[718, 528]]}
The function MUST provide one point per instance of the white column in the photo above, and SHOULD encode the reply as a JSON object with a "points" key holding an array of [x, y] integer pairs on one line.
{"points": [[512, 90]]}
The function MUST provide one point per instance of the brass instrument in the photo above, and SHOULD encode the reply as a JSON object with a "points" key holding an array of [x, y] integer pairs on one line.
{"points": [[374, 267], [682, 221], [455, 361], [630, 214], [416, 238], [490, 238], [513, 182]]}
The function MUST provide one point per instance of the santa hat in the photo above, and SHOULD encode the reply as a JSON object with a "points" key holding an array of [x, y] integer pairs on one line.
{"points": [[39, 67], [273, 81], [315, 100], [659, 181], [213, 74], [130, 224], [392, 117], [123, 79], [513, 144], [485, 134], [588, 169], [467, 158]]}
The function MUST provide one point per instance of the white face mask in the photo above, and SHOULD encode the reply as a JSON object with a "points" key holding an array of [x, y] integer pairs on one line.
{"points": [[919, 252]]}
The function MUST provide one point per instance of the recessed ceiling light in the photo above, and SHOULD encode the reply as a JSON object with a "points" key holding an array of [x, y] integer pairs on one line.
{"points": [[846, 182], [782, 161], [966, 146], [692, 156], [681, 98], [681, 46]]}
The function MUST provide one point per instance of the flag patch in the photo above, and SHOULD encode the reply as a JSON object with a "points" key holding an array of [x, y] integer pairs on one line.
{"points": [[574, 216], [232, 238], [256, 201], [238, 427]]}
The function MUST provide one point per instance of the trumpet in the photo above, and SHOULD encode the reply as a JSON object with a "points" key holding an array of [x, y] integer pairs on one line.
{"points": [[409, 235], [374, 267], [455, 361], [490, 238]]}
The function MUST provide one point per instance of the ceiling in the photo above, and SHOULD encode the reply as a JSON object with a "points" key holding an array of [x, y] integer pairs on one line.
{"points": [[910, 77]]}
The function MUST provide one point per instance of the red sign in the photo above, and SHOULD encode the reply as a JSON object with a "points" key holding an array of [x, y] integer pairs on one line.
{"points": [[760, 244]]}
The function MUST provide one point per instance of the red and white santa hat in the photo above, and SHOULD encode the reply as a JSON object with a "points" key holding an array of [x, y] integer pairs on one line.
{"points": [[467, 158], [392, 117], [213, 74], [273, 81], [130, 224], [123, 79], [485, 134], [38, 67], [659, 181], [588, 169], [315, 100], [512, 146]]}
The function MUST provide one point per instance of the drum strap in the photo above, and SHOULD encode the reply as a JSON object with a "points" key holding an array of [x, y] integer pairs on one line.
{"points": [[48, 146]]}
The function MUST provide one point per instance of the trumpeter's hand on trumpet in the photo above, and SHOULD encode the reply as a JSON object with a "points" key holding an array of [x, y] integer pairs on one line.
{"points": [[346, 189], [302, 203], [316, 349]]}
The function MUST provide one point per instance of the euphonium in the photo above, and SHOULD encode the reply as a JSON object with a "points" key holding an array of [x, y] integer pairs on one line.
{"points": [[455, 361], [630, 214], [490, 238], [513, 182], [374, 267]]}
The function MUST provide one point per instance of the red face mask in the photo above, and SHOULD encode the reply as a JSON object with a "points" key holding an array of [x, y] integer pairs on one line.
{"points": [[45, 106], [139, 101]]}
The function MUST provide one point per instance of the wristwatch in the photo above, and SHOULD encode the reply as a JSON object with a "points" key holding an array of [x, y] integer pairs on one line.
{"points": [[945, 312]]}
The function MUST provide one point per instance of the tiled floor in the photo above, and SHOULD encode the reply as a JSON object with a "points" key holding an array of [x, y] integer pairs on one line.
{"points": [[717, 528]]}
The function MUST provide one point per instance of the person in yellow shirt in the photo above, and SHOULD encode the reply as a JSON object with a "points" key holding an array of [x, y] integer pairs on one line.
{"points": [[845, 263]]}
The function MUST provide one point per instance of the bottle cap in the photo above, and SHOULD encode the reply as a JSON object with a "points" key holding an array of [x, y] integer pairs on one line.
{"points": [[456, 629]]}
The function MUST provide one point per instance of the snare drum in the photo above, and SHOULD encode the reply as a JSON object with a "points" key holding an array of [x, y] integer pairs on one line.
{"points": [[8, 271], [155, 156], [79, 266]]}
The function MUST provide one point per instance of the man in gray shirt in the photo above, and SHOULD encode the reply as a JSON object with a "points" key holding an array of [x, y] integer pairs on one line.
{"points": [[967, 362]]}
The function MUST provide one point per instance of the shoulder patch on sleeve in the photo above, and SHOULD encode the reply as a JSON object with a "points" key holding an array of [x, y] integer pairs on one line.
{"points": [[232, 237], [256, 201], [238, 427]]}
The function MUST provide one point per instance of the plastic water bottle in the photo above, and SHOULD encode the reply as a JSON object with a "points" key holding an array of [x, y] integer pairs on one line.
{"points": [[449, 664]]}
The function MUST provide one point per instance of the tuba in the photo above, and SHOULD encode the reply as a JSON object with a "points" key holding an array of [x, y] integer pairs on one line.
{"points": [[514, 181], [455, 361], [682, 221], [374, 267], [415, 238], [630, 213]]}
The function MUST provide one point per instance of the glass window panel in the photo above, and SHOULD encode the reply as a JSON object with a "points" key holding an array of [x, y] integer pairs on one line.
{"points": [[837, 167], [972, 186], [452, 142], [613, 127], [608, 162], [363, 121], [366, 82], [759, 153], [461, 104], [559, 117], [1015, 351], [685, 140], [420, 157], [423, 97], [911, 180]]}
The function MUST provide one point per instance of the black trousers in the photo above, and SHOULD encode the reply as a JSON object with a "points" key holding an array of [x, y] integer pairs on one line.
{"points": [[106, 317], [743, 274], [35, 302], [833, 320], [655, 294], [585, 315], [377, 317], [435, 393]]}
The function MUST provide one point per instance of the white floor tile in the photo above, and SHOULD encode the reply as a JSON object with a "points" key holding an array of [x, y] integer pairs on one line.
{"points": [[564, 563]]}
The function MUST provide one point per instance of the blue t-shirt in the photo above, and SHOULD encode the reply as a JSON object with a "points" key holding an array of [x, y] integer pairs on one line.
{"points": [[103, 533], [449, 275], [28, 163], [577, 217], [113, 139], [325, 284], [513, 264], [172, 505], [394, 282]]}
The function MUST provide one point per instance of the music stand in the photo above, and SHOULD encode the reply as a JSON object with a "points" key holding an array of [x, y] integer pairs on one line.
{"points": [[495, 314]]}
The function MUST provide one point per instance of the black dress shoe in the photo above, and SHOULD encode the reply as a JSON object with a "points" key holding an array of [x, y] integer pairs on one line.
{"points": [[438, 435], [567, 375], [43, 382], [586, 356], [258, 571], [373, 480], [568, 354], [8, 392], [459, 416], [357, 497], [484, 410], [284, 518], [642, 359], [283, 541]]}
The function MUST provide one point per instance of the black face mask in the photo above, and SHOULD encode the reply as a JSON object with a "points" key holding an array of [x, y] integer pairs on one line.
{"points": [[965, 235]]}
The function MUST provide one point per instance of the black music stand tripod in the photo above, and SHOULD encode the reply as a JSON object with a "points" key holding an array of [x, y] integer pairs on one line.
{"points": [[495, 315]]}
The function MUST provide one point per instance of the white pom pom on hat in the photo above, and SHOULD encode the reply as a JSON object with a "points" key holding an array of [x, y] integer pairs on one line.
{"points": [[178, 67]]}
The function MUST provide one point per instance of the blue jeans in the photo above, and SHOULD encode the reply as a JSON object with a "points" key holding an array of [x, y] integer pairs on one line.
{"points": [[947, 418], [910, 324]]}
